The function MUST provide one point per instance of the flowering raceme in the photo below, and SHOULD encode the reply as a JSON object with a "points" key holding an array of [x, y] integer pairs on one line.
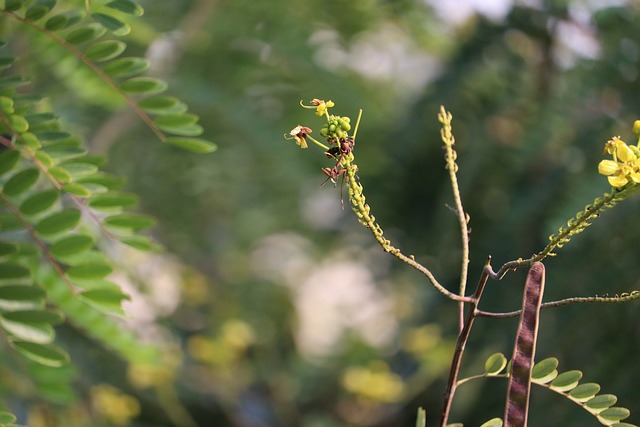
{"points": [[625, 166]]}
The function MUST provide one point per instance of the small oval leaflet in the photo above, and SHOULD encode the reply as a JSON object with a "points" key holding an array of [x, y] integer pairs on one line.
{"points": [[584, 392], [8, 160], [195, 145], [495, 422], [85, 34], [112, 24], [21, 181], [12, 272], [126, 6], [58, 222], [162, 104], [544, 371], [614, 414], [601, 402], [495, 364], [566, 380], [90, 271], [45, 354], [71, 245], [126, 67], [21, 293], [56, 22], [144, 85], [105, 50]]}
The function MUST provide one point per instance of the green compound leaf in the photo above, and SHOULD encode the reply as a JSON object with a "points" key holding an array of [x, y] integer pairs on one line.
{"points": [[162, 104], [58, 222], [566, 381], [85, 34], [8, 160], [105, 50], [71, 245], [195, 145], [544, 371], [21, 182], [126, 67], [112, 24], [45, 354], [584, 392], [144, 86], [39, 202], [495, 364], [126, 6]]}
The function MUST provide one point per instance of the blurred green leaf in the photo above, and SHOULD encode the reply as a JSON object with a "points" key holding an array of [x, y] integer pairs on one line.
{"points": [[71, 245], [112, 23], [105, 50], [195, 145], [48, 354], [126, 6], [126, 67], [58, 222], [21, 182], [85, 34]]}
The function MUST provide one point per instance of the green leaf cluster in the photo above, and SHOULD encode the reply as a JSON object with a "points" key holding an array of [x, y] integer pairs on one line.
{"points": [[59, 210], [545, 373]]}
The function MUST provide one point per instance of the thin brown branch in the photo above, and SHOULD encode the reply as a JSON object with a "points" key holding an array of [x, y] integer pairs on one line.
{"points": [[463, 337]]}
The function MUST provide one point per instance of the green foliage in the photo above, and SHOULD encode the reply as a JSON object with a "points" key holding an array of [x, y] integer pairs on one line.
{"points": [[60, 211], [566, 384]]}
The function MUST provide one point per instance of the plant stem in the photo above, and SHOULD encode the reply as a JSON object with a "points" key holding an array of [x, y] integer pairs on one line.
{"points": [[463, 337]]}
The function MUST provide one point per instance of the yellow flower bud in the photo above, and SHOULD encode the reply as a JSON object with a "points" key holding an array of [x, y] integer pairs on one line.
{"points": [[636, 127], [607, 167], [624, 153]]}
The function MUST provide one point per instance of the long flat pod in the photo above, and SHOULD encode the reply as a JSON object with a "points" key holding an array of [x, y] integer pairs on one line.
{"points": [[517, 405]]}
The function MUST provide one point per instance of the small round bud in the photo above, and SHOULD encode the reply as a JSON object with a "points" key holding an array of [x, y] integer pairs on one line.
{"points": [[332, 128], [636, 128]]}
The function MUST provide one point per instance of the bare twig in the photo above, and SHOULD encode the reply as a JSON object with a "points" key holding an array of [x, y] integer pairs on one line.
{"points": [[463, 337]]}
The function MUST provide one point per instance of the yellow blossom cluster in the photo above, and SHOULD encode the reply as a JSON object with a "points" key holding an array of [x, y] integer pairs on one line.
{"points": [[625, 166]]}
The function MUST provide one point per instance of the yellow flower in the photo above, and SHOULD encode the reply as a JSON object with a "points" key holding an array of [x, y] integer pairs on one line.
{"points": [[299, 133], [321, 106], [625, 166]]}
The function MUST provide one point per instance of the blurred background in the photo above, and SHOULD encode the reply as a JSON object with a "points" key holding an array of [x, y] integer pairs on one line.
{"points": [[272, 305]]}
